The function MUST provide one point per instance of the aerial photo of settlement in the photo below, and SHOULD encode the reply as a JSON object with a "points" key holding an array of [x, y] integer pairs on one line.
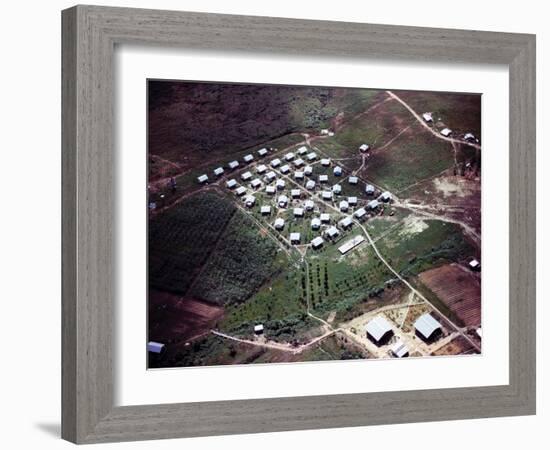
{"points": [[296, 223]]}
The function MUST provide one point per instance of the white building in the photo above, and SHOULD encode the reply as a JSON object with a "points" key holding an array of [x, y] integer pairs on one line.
{"points": [[399, 349], [310, 185], [344, 205], [427, 116], [233, 164], [426, 326], [285, 169], [202, 179], [373, 204], [360, 213], [262, 168], [332, 232], [155, 347], [298, 212], [474, 264], [280, 184], [369, 189], [364, 147], [298, 175], [248, 158], [270, 176], [325, 217], [469, 137], [282, 201], [378, 329], [270, 190], [218, 171], [308, 170], [262, 152], [265, 210], [311, 156], [289, 156], [351, 244], [317, 242], [276, 162], [446, 132], [346, 222], [246, 176], [309, 205], [327, 195], [352, 201], [231, 184], [337, 171], [353, 180], [323, 178], [258, 329], [279, 223], [299, 162], [249, 201], [315, 223], [386, 196], [302, 150], [256, 183], [337, 189], [294, 238], [295, 193], [240, 191], [325, 162]]}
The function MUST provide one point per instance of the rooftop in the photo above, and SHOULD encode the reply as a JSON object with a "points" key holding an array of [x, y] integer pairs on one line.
{"points": [[378, 327]]}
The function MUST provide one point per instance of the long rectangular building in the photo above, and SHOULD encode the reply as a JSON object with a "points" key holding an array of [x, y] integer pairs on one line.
{"points": [[352, 243]]}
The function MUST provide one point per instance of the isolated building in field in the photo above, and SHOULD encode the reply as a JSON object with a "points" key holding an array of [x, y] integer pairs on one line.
{"points": [[299, 162], [399, 349], [282, 201], [427, 327], [231, 184], [233, 164], [332, 232], [325, 131], [352, 201], [246, 176], [469, 137], [258, 329], [427, 116], [364, 148], [265, 210], [308, 170], [298, 212], [285, 169], [386, 196], [315, 223], [344, 205], [379, 330], [240, 191], [446, 132], [302, 150], [369, 189], [294, 238], [325, 162], [248, 158], [202, 179], [270, 176], [262, 168], [275, 163], [218, 171], [295, 193], [373, 204], [317, 242], [249, 201], [337, 189], [155, 347], [279, 223], [270, 190], [353, 180], [280, 184], [325, 217], [309, 205], [474, 264], [289, 156], [351, 244], [346, 223], [298, 175], [323, 178], [311, 156], [337, 171], [360, 213], [310, 185], [256, 183], [262, 152], [327, 195]]}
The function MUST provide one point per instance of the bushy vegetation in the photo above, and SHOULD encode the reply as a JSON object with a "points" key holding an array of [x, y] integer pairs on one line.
{"points": [[182, 238]]}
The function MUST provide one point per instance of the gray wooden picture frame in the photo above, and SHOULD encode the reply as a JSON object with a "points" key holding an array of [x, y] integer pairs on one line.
{"points": [[90, 34]]}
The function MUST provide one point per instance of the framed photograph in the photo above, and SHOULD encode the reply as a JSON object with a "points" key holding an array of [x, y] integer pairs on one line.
{"points": [[267, 230]]}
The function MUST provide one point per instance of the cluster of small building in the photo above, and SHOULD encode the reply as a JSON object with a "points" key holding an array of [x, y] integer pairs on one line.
{"points": [[428, 118]]}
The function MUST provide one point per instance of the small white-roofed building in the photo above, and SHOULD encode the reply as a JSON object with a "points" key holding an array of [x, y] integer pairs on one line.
{"points": [[379, 330], [373, 204], [325, 217], [298, 212], [302, 150], [218, 171], [270, 190], [279, 223], [353, 180], [364, 147], [446, 132], [282, 201], [298, 175], [258, 329], [344, 205], [310, 185], [326, 195], [427, 327], [231, 184], [315, 223], [285, 169], [202, 179], [248, 158], [233, 164], [275, 163], [427, 116], [317, 242], [325, 131], [256, 183], [360, 213], [262, 152], [295, 193], [386, 196], [249, 201], [270, 176], [337, 171], [311, 156], [469, 137], [155, 347], [241, 190], [369, 189], [474, 264], [399, 349], [289, 156], [332, 232], [337, 189], [325, 162], [352, 201], [265, 210], [280, 184], [246, 176], [323, 178], [262, 168], [299, 162], [308, 171], [294, 238], [309, 205], [346, 222], [351, 244]]}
